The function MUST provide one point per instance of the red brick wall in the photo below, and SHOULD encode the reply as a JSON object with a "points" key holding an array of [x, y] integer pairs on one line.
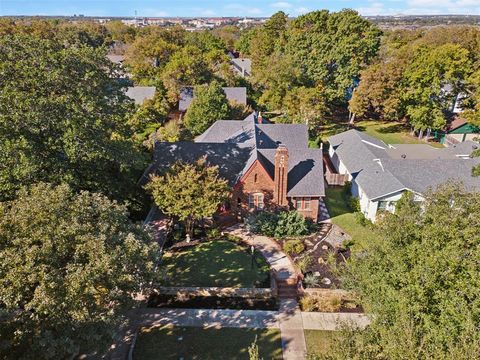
{"points": [[312, 213], [255, 180]]}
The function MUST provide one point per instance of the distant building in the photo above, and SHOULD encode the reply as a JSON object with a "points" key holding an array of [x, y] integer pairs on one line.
{"points": [[236, 95], [140, 93], [242, 66]]}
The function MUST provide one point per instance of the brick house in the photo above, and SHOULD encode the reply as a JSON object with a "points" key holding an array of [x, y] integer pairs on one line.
{"points": [[268, 166]]}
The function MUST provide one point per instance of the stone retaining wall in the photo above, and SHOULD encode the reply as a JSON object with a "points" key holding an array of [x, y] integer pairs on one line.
{"points": [[254, 293], [327, 292]]}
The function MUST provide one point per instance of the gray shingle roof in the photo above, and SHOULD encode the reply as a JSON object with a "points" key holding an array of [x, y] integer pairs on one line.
{"points": [[233, 94], [242, 66], [235, 145], [140, 93], [230, 158], [380, 169]]}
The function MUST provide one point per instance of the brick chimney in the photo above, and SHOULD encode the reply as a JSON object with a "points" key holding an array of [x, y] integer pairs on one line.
{"points": [[260, 118], [281, 176]]}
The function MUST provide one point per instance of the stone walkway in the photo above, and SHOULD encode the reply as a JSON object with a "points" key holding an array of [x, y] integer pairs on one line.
{"points": [[270, 249]]}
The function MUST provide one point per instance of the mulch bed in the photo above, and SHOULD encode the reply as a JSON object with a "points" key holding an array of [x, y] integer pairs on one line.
{"points": [[318, 249], [211, 302]]}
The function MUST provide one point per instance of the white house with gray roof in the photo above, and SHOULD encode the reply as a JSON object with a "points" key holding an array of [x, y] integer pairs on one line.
{"points": [[380, 173]]}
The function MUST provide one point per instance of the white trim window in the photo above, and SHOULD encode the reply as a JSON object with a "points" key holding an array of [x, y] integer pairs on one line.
{"points": [[255, 201]]}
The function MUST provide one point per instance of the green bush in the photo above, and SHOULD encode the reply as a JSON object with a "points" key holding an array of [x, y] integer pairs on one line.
{"points": [[213, 234], [311, 281], [293, 247], [362, 220], [263, 223], [303, 263], [291, 223], [354, 204]]}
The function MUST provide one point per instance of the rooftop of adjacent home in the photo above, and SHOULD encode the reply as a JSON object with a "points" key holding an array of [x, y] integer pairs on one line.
{"points": [[381, 169], [234, 94]]}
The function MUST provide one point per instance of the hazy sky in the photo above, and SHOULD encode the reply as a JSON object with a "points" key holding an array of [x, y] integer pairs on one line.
{"points": [[232, 7]]}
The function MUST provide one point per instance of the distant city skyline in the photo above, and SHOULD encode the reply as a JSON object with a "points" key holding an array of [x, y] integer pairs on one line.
{"points": [[245, 8]]}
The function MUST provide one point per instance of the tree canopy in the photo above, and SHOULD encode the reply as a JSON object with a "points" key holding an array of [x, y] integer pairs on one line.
{"points": [[190, 192], [421, 281], [419, 74], [209, 105], [69, 264], [63, 118]]}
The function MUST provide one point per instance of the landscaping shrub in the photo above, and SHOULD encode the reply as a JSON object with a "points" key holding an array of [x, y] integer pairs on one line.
{"points": [[213, 234], [291, 223], [321, 302], [362, 220], [303, 263], [293, 247], [354, 204], [311, 281], [263, 223]]}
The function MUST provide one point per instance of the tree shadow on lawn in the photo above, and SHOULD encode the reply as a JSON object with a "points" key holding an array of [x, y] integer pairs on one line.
{"points": [[168, 342], [392, 128], [215, 263]]}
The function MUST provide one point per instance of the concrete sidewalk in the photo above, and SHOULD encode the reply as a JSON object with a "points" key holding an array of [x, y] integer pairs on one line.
{"points": [[209, 318], [291, 327]]}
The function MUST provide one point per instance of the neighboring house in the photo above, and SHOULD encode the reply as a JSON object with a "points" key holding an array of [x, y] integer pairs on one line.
{"points": [[116, 59], [236, 95], [242, 66], [140, 93], [381, 173], [267, 165], [459, 130]]}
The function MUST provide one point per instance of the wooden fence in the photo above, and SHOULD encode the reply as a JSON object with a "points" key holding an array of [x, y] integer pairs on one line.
{"points": [[335, 179]]}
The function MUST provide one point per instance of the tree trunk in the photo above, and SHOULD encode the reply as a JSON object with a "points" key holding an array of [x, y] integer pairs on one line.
{"points": [[189, 222], [352, 120]]}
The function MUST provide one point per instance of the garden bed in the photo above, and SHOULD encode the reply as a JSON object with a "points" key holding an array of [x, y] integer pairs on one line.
{"points": [[211, 302]]}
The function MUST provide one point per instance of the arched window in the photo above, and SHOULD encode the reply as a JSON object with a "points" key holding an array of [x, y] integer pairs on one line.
{"points": [[255, 178]]}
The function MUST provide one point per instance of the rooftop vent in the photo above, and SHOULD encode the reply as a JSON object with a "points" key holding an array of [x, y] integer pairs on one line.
{"points": [[404, 156]]}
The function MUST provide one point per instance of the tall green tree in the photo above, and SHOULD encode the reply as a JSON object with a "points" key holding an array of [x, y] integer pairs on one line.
{"points": [[69, 265], [209, 105], [421, 281], [189, 191], [332, 49], [63, 119]]}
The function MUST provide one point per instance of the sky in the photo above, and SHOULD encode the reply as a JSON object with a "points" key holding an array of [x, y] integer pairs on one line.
{"points": [[241, 8]]}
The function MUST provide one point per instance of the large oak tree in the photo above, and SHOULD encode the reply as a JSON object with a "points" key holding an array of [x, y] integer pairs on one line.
{"points": [[69, 265], [63, 118]]}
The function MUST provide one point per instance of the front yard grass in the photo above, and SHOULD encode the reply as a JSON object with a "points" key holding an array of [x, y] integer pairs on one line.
{"points": [[219, 263], [168, 342], [342, 216], [319, 342]]}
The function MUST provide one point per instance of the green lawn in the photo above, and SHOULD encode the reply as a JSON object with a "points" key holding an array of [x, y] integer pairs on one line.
{"points": [[216, 263], [169, 342], [319, 341], [342, 216], [389, 132]]}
